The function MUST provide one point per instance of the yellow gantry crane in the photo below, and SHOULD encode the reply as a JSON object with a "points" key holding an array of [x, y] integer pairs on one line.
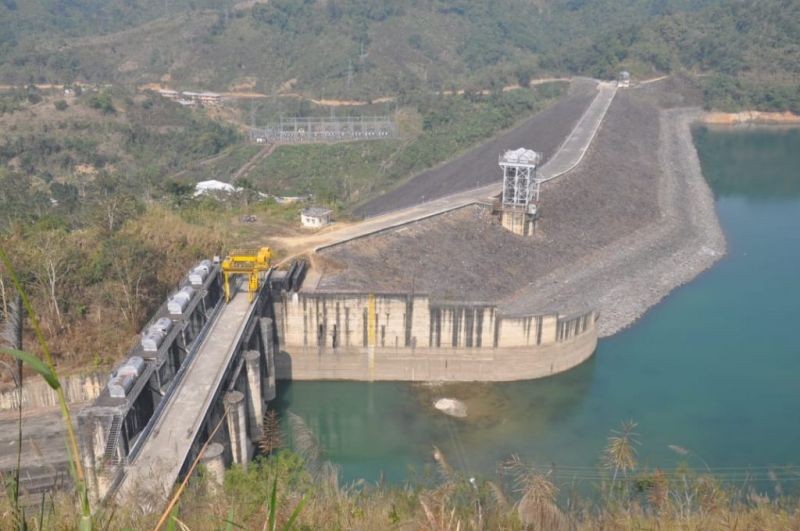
{"points": [[250, 262]]}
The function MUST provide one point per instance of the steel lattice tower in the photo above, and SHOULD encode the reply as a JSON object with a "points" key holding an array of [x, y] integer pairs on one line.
{"points": [[520, 183]]}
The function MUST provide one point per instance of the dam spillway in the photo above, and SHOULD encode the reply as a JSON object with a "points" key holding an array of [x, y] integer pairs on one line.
{"points": [[368, 336]]}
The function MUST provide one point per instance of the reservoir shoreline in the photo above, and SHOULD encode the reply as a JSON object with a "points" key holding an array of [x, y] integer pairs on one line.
{"points": [[686, 240]]}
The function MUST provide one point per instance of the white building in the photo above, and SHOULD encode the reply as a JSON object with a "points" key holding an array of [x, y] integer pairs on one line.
{"points": [[315, 217], [170, 94], [203, 98], [624, 80]]}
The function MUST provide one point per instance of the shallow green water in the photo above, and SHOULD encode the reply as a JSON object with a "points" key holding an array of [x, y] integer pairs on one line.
{"points": [[714, 369]]}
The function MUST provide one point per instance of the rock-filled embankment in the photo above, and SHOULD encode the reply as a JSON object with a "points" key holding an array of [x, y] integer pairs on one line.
{"points": [[632, 222], [627, 277]]}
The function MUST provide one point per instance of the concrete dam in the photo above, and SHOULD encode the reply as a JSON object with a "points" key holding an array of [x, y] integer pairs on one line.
{"points": [[199, 382], [369, 336]]}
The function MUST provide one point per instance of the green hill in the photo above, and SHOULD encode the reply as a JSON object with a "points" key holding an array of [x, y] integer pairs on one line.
{"points": [[367, 48]]}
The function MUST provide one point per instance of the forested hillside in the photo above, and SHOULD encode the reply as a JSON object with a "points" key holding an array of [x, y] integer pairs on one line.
{"points": [[368, 48], [61, 139]]}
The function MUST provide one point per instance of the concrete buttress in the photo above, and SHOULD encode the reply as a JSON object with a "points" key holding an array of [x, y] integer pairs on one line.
{"points": [[255, 399], [237, 428]]}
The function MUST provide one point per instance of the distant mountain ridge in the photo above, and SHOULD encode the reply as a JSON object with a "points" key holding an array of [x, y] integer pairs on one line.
{"points": [[359, 49]]}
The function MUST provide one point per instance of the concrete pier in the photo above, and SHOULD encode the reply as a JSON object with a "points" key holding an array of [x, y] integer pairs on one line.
{"points": [[237, 428], [268, 389], [255, 397], [214, 461]]}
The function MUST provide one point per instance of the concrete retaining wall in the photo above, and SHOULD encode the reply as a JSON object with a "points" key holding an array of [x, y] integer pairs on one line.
{"points": [[407, 337], [36, 393], [430, 364]]}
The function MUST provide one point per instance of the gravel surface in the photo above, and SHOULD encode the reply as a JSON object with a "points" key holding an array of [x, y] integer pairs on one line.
{"points": [[543, 132], [633, 221]]}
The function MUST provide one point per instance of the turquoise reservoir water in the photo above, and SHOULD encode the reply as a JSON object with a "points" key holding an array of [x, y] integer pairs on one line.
{"points": [[714, 369]]}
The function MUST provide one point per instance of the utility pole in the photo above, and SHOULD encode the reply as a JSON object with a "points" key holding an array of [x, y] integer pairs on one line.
{"points": [[349, 74]]}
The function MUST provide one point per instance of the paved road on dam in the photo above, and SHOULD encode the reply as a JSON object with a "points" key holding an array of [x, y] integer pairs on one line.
{"points": [[544, 131], [568, 155], [158, 464], [571, 152]]}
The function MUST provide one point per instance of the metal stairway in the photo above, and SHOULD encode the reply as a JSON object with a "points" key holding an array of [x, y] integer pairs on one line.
{"points": [[111, 456]]}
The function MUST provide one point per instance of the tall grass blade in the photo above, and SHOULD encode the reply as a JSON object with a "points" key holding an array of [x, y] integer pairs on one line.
{"points": [[229, 523], [295, 514], [35, 364], [273, 504], [51, 377], [182, 487], [14, 488], [172, 523], [40, 524]]}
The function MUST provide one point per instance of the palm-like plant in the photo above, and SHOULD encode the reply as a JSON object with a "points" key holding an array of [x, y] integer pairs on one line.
{"points": [[271, 438], [620, 453], [537, 507]]}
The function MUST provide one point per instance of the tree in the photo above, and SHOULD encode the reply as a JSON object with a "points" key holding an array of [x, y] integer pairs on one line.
{"points": [[102, 101], [114, 203], [133, 267], [180, 192], [524, 75], [53, 258]]}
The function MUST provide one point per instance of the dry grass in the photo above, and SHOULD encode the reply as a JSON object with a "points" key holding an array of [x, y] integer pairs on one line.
{"points": [[530, 500]]}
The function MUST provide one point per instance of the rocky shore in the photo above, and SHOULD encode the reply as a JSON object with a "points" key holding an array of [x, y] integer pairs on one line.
{"points": [[750, 117]]}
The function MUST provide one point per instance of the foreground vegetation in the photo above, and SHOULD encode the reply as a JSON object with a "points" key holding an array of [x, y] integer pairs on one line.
{"points": [[286, 489]]}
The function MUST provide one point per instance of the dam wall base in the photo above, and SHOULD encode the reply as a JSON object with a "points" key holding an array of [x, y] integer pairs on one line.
{"points": [[335, 336], [435, 365]]}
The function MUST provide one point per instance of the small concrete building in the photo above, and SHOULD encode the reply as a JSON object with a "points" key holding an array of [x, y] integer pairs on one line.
{"points": [[209, 98], [315, 217], [624, 80], [173, 95], [203, 98]]}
